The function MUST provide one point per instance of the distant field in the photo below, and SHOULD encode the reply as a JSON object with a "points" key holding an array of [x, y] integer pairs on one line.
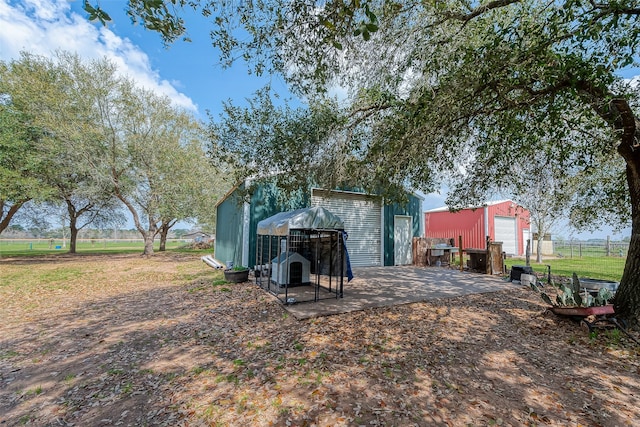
{"points": [[27, 247]]}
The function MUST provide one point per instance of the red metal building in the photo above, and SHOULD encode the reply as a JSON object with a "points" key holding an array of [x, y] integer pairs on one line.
{"points": [[503, 221]]}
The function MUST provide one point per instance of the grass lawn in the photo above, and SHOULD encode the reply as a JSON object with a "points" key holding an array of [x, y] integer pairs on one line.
{"points": [[605, 268], [37, 247]]}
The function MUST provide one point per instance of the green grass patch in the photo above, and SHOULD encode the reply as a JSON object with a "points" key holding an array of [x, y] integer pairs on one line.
{"points": [[604, 268], [8, 354], [54, 278], [26, 419], [61, 274], [34, 391], [197, 370], [127, 388], [38, 247], [229, 378]]}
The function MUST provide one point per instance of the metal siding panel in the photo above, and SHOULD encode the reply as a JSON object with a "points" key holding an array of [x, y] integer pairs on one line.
{"points": [[265, 202], [229, 229], [412, 208], [467, 223], [523, 224], [361, 216]]}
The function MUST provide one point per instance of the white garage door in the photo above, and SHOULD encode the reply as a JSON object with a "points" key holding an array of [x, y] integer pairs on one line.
{"points": [[506, 233], [361, 216]]}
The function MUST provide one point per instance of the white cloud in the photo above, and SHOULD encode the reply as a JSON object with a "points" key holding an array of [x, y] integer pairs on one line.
{"points": [[634, 81], [44, 26]]}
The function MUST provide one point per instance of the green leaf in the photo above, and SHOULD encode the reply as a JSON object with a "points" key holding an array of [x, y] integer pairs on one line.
{"points": [[105, 16], [546, 298], [88, 8], [330, 25]]}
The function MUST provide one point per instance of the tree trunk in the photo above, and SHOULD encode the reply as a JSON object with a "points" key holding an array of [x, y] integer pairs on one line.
{"points": [[149, 237], [73, 227], [539, 249], [163, 238], [627, 299], [618, 113], [164, 232]]}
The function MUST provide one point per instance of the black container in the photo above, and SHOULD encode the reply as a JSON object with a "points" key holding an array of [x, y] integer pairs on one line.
{"points": [[518, 270]]}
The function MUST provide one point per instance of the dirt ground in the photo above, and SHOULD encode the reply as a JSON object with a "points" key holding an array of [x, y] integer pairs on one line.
{"points": [[127, 341]]}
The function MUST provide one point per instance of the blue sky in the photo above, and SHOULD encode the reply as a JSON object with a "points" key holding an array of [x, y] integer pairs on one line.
{"points": [[186, 72]]}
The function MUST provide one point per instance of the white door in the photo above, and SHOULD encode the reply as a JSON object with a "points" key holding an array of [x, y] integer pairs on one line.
{"points": [[506, 233], [402, 240], [361, 215]]}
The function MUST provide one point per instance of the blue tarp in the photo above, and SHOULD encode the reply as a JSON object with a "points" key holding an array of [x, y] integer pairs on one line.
{"points": [[346, 253]]}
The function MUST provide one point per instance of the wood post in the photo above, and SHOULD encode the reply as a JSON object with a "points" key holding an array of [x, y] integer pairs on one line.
{"points": [[461, 255]]}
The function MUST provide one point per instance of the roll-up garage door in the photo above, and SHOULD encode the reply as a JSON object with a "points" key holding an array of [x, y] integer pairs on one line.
{"points": [[361, 216], [506, 233]]}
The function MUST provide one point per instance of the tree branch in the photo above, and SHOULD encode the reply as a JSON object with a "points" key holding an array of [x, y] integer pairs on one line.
{"points": [[473, 13], [10, 213], [606, 7], [615, 111], [369, 110]]}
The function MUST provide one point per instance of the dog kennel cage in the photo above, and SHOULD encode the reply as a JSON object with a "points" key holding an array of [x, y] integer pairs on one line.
{"points": [[301, 255]]}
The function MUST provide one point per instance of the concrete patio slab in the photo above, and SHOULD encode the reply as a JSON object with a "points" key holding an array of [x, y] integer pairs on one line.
{"points": [[387, 286]]}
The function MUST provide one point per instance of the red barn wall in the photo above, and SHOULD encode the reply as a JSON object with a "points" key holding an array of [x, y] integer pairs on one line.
{"points": [[467, 223], [470, 224]]}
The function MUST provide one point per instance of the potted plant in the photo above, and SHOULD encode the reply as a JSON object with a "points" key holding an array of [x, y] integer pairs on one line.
{"points": [[574, 300], [237, 274]]}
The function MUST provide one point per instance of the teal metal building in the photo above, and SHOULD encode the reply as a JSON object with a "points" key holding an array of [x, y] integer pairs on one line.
{"points": [[379, 233]]}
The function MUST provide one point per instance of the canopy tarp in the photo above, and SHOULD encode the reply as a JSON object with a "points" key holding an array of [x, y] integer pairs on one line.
{"points": [[316, 218]]}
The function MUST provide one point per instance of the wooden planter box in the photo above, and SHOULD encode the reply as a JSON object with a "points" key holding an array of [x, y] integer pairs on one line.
{"points": [[236, 276]]}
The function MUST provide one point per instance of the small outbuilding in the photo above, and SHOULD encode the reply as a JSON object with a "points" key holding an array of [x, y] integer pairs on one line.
{"points": [[198, 236], [379, 233], [502, 221]]}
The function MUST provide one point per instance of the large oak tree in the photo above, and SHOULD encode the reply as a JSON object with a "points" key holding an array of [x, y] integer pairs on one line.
{"points": [[84, 137], [457, 88]]}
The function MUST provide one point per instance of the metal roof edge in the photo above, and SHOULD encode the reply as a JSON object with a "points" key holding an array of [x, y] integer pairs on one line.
{"points": [[485, 204], [228, 193]]}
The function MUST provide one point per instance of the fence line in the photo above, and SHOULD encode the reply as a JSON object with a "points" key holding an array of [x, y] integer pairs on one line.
{"points": [[601, 259], [580, 249], [22, 244]]}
